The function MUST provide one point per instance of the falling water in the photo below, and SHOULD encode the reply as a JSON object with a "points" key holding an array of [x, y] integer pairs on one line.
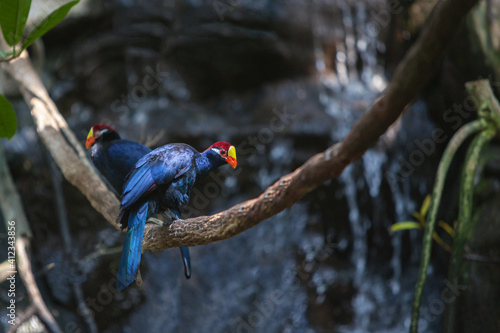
{"points": [[355, 78]]}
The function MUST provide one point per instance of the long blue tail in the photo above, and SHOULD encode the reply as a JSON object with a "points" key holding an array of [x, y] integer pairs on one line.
{"points": [[132, 248]]}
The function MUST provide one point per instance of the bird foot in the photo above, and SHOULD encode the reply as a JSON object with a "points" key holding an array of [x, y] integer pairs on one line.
{"points": [[170, 215], [156, 221]]}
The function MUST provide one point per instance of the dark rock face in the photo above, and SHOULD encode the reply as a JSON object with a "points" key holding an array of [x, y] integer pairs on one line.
{"points": [[218, 48], [214, 48]]}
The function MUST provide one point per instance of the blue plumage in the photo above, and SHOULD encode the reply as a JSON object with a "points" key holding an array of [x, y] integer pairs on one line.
{"points": [[163, 178], [132, 247], [115, 158]]}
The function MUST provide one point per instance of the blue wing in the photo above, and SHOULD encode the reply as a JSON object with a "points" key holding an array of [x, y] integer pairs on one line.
{"points": [[115, 159], [132, 248], [126, 154], [159, 167]]}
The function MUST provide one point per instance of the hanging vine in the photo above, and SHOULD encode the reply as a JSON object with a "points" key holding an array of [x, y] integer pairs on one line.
{"points": [[488, 125]]}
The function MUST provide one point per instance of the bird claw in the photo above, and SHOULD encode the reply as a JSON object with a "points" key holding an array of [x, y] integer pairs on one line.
{"points": [[170, 215], [156, 221]]}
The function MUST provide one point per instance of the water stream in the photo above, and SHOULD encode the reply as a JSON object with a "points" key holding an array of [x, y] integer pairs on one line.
{"points": [[353, 81]]}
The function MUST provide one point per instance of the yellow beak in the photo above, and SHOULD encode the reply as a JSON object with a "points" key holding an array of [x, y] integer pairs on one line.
{"points": [[231, 158], [90, 138]]}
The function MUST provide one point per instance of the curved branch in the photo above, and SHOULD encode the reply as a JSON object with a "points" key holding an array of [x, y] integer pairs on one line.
{"points": [[24, 266], [59, 139], [409, 77], [284, 193]]}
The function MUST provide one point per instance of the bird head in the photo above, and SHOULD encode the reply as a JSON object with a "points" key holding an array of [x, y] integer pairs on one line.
{"points": [[225, 151], [100, 131]]}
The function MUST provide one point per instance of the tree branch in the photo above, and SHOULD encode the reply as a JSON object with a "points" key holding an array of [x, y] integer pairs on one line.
{"points": [[12, 210], [24, 266], [59, 139], [409, 78]]}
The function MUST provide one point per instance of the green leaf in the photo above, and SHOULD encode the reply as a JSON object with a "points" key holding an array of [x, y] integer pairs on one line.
{"points": [[48, 23], [6, 55], [449, 229], [437, 192], [425, 205], [13, 16], [466, 223], [8, 120], [404, 226]]}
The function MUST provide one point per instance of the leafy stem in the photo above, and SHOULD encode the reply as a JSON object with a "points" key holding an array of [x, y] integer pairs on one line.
{"points": [[465, 222], [488, 125], [437, 192]]}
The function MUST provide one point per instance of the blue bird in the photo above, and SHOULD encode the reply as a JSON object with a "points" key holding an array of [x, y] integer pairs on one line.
{"points": [[114, 158], [163, 177]]}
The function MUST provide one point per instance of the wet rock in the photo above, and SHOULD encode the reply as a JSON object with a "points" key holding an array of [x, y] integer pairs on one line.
{"points": [[238, 45]]}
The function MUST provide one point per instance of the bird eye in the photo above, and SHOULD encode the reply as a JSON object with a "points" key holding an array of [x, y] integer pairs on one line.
{"points": [[223, 152]]}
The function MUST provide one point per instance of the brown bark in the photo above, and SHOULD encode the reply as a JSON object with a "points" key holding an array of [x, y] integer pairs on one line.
{"points": [[59, 139]]}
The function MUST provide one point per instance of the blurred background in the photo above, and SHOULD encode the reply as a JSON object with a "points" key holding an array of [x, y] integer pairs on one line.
{"points": [[280, 80]]}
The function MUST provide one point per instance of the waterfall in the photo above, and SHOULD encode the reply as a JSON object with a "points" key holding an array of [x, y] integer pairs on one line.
{"points": [[352, 77]]}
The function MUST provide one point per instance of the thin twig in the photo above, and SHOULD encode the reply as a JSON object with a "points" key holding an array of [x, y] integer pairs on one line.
{"points": [[10, 201], [13, 211], [27, 314], [24, 268], [152, 140], [83, 308], [483, 259], [4, 271], [102, 251]]}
